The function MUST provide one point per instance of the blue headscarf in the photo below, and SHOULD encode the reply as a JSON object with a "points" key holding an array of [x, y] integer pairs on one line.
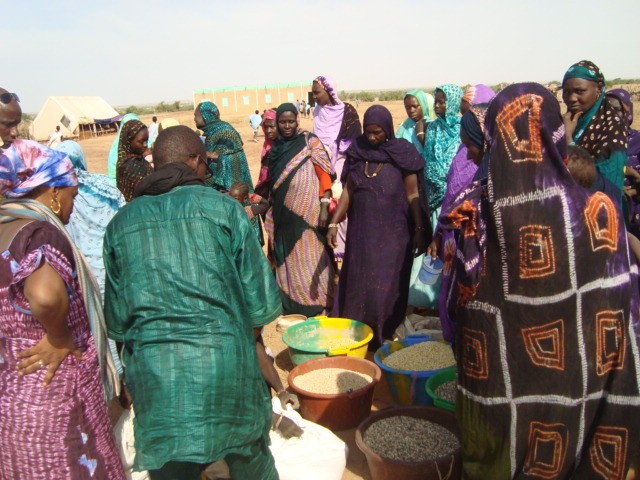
{"points": [[408, 128], [74, 152], [26, 165], [443, 140]]}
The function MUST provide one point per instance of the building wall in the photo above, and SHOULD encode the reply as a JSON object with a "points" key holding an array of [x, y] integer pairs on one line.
{"points": [[246, 100]]}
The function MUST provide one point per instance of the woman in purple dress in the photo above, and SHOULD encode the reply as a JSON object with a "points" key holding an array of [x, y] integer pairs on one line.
{"points": [[54, 355], [388, 224]]}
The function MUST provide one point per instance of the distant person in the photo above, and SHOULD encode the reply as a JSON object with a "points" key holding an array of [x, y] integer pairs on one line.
{"points": [[297, 105], [55, 138], [132, 166], [153, 131], [10, 117], [303, 108], [308, 110], [255, 120], [188, 313]]}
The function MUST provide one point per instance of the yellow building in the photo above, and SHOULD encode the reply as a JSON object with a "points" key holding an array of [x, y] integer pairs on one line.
{"points": [[246, 100]]}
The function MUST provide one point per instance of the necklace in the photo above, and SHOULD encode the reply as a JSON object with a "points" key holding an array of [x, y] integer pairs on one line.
{"points": [[375, 173]]}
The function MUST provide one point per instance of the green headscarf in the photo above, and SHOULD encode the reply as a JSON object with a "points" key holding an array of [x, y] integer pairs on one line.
{"points": [[408, 128]]}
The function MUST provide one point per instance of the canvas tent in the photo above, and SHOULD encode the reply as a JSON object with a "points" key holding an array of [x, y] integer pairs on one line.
{"points": [[78, 117]]}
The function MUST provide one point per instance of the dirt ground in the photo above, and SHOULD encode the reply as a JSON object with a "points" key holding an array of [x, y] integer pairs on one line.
{"points": [[97, 149]]}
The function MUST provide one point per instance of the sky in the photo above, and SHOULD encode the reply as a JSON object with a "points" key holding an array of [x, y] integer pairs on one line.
{"points": [[143, 52]]}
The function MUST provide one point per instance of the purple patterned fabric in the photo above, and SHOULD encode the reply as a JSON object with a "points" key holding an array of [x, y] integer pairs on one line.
{"points": [[62, 430], [545, 300], [26, 165]]}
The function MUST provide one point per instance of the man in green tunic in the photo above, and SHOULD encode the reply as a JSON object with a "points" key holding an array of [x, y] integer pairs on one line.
{"points": [[186, 285]]}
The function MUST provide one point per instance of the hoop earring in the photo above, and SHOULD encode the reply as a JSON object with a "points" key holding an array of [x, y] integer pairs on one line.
{"points": [[58, 208]]}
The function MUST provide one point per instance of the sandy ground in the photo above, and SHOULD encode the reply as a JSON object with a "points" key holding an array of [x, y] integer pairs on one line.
{"points": [[97, 150]]}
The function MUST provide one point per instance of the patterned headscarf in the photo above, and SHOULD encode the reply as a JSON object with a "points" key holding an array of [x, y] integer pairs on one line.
{"points": [[266, 146], [624, 98], [74, 152], [472, 124], [26, 165], [586, 70], [209, 111], [329, 86], [112, 162], [127, 134], [443, 140], [479, 93]]}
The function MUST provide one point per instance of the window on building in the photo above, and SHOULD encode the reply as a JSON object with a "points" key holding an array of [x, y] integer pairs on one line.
{"points": [[290, 97], [245, 100], [225, 102], [267, 98]]}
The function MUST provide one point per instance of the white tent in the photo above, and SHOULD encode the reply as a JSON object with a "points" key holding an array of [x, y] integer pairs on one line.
{"points": [[77, 117]]}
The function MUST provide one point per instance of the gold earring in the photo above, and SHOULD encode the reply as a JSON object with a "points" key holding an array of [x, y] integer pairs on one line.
{"points": [[58, 207]]}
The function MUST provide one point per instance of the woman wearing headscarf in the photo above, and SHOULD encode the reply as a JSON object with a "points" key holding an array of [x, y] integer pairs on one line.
{"points": [[546, 309], [300, 172], [98, 200], [419, 107], [462, 170], [270, 130], [224, 143], [227, 160], [53, 350], [592, 123], [475, 95], [113, 151], [337, 125], [444, 241], [387, 225], [132, 167], [620, 101], [443, 140]]}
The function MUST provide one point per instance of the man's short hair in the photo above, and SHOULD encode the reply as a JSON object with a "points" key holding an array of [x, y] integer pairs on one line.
{"points": [[154, 118], [176, 144]]}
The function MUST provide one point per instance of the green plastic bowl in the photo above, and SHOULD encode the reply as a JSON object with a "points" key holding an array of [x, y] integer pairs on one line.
{"points": [[435, 381], [305, 339]]}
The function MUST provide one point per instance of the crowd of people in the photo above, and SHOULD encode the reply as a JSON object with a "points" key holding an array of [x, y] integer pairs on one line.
{"points": [[535, 214]]}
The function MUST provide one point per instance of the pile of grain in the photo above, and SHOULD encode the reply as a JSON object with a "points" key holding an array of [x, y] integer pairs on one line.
{"points": [[332, 381], [447, 391], [332, 343], [421, 357], [410, 439]]}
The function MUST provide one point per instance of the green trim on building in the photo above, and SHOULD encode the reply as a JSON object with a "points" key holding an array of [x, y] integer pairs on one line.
{"points": [[255, 87]]}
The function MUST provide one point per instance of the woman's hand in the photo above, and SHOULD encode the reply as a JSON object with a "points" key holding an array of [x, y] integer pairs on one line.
{"points": [[434, 246], [213, 156], [570, 124], [323, 221], [332, 237], [419, 243], [48, 353]]}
